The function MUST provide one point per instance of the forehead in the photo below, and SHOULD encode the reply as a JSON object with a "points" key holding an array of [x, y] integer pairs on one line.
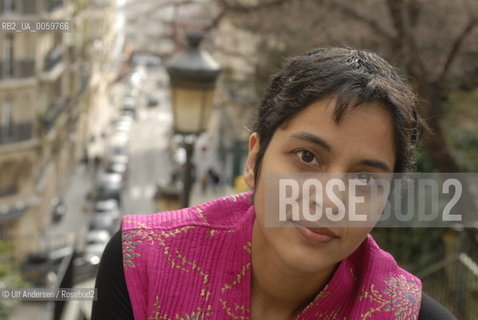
{"points": [[366, 129]]}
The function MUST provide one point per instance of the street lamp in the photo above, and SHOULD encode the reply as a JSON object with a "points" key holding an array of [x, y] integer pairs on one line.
{"points": [[193, 74]]}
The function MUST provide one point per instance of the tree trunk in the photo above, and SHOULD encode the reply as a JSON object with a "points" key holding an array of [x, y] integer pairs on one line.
{"points": [[435, 141]]}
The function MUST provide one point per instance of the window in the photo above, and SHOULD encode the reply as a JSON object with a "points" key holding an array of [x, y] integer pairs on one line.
{"points": [[6, 119], [8, 6], [8, 56], [8, 179]]}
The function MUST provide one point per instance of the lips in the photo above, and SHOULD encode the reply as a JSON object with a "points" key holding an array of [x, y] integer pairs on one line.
{"points": [[323, 231], [317, 234]]}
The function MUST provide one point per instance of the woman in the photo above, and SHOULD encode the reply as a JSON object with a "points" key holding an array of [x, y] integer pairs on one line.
{"points": [[328, 111]]}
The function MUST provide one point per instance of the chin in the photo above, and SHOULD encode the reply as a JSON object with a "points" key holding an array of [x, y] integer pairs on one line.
{"points": [[308, 259]]}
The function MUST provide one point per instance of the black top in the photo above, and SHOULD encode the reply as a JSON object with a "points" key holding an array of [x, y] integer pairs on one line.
{"points": [[113, 300]]}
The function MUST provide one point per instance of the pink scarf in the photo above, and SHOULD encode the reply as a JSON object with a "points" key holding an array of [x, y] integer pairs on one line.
{"points": [[195, 264]]}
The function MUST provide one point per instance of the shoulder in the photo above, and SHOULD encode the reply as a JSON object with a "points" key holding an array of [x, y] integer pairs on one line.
{"points": [[222, 213], [145, 238], [404, 283], [430, 309]]}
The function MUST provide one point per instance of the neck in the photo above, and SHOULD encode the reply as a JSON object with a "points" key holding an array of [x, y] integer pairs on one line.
{"points": [[278, 288]]}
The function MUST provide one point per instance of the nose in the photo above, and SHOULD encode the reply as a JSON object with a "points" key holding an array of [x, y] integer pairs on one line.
{"points": [[335, 196]]}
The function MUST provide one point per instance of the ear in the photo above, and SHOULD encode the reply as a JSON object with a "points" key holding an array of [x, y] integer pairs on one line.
{"points": [[251, 160]]}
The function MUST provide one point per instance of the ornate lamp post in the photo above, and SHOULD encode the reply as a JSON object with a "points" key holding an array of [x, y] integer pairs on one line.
{"points": [[193, 74]]}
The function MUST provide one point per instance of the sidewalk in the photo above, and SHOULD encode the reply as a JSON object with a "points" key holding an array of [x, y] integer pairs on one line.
{"points": [[75, 310], [69, 230], [75, 221]]}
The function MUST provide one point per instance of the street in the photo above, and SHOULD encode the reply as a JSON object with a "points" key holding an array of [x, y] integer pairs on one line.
{"points": [[150, 151], [148, 147], [149, 158], [149, 162]]}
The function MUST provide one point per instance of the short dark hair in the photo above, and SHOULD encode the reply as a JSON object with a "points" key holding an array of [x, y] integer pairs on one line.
{"points": [[352, 77]]}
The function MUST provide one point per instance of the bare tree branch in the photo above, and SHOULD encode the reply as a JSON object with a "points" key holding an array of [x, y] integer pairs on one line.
{"points": [[455, 48], [413, 12], [153, 9], [246, 9], [160, 5], [410, 19], [235, 53], [227, 8], [352, 13], [215, 22], [404, 42], [395, 8], [472, 10]]}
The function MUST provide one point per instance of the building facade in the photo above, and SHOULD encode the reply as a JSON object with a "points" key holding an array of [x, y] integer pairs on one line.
{"points": [[47, 99]]}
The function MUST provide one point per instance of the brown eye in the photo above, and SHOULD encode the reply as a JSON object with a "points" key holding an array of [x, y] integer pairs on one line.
{"points": [[307, 157]]}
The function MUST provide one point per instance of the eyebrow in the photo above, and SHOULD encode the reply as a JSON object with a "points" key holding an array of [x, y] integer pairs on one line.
{"points": [[376, 164], [312, 138], [319, 141]]}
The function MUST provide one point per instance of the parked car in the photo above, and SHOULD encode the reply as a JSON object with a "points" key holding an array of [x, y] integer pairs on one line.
{"points": [[130, 101], [40, 268], [120, 168], [118, 144], [123, 125], [138, 76], [149, 59], [125, 119], [119, 137], [97, 236], [121, 159], [133, 92], [117, 149], [129, 104], [109, 186], [106, 206], [104, 222], [129, 112], [153, 101], [109, 211], [59, 209], [96, 241]]}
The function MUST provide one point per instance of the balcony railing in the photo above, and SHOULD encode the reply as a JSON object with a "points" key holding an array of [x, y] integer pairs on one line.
{"points": [[56, 108], [16, 133], [9, 190], [29, 7], [17, 69], [53, 4], [53, 57], [18, 7]]}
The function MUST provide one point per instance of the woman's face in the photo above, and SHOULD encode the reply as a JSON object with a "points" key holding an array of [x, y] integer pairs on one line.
{"points": [[312, 142]]}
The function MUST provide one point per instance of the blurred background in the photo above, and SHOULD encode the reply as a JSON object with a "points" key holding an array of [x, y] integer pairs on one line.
{"points": [[94, 123]]}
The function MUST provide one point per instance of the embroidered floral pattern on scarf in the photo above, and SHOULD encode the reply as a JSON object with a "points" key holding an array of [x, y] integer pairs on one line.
{"points": [[195, 264]]}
